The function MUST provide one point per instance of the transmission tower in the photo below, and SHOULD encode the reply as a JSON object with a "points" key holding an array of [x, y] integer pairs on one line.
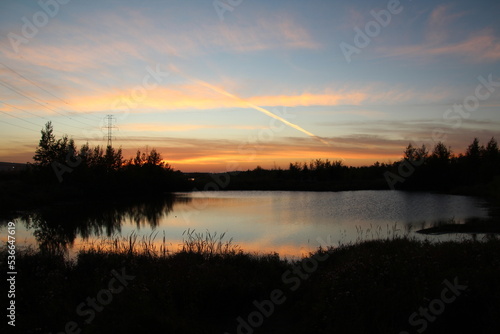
{"points": [[109, 126]]}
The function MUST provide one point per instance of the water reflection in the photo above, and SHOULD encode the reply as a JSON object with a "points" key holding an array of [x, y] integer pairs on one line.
{"points": [[285, 222], [55, 228]]}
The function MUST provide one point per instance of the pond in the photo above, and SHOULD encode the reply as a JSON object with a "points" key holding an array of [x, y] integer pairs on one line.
{"points": [[289, 223]]}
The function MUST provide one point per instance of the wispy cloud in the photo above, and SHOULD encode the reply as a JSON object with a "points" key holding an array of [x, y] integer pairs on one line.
{"points": [[155, 127], [81, 45], [362, 147], [284, 32], [438, 26], [421, 131], [192, 153], [95, 58], [444, 38], [193, 96], [481, 47]]}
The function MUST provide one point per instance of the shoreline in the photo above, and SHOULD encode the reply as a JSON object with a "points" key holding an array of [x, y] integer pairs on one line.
{"points": [[371, 286], [19, 195]]}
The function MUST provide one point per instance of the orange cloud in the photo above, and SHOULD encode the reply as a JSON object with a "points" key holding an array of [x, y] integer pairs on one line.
{"points": [[253, 106], [155, 127], [135, 100], [197, 154], [217, 155], [309, 99], [197, 97]]}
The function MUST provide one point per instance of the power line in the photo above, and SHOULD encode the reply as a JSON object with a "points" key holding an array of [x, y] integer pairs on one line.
{"points": [[19, 126], [26, 111], [37, 85], [32, 82], [22, 119], [16, 91], [22, 127], [31, 113], [3, 83]]}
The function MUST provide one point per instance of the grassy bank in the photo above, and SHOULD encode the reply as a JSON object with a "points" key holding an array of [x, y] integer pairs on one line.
{"points": [[213, 287]]}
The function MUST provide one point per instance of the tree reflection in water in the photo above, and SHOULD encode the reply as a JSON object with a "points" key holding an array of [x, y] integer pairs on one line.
{"points": [[55, 228]]}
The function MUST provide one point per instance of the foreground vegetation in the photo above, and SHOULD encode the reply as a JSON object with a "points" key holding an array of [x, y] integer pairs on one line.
{"points": [[211, 286]]}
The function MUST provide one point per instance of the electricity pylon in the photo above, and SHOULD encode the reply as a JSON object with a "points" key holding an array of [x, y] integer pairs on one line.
{"points": [[110, 127]]}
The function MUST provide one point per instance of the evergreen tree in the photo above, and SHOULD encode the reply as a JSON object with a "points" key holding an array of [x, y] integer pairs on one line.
{"points": [[154, 158], [113, 159], [46, 151], [441, 154], [473, 152]]}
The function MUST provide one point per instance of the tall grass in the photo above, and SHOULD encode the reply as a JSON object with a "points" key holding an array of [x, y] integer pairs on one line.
{"points": [[208, 244], [131, 245], [204, 286]]}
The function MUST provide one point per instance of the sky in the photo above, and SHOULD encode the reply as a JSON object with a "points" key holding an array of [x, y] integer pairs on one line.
{"points": [[231, 84]]}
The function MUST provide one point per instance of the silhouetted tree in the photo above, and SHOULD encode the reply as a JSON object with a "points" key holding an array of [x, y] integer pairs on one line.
{"points": [[140, 159], [113, 159], [415, 155], [154, 158], [491, 152], [440, 156], [85, 154], [46, 151], [491, 159], [473, 152]]}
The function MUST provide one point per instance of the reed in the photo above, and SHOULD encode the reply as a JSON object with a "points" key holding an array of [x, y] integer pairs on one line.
{"points": [[208, 244], [371, 286]]}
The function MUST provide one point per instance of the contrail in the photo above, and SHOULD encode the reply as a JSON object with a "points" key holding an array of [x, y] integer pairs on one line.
{"points": [[251, 105]]}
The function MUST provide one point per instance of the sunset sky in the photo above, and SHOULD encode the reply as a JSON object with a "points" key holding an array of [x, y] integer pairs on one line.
{"points": [[232, 84]]}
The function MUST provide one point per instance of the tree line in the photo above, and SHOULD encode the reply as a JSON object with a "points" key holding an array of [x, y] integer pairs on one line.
{"points": [[98, 167], [101, 169], [475, 171], [441, 169]]}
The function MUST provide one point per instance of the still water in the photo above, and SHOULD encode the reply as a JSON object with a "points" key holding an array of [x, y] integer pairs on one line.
{"points": [[289, 223]]}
